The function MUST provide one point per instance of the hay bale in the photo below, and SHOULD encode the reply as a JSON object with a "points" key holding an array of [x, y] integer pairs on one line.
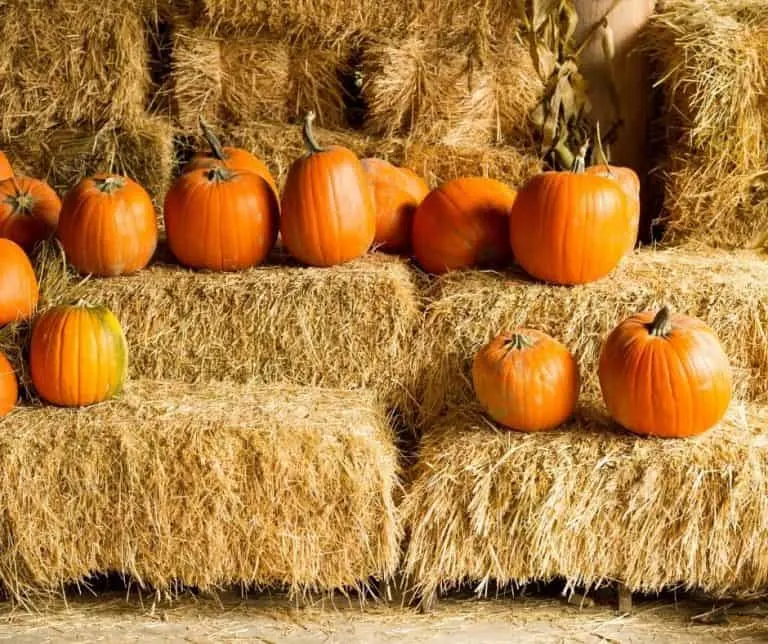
{"points": [[351, 326], [590, 503], [238, 80], [453, 93], [729, 291], [64, 63], [142, 150], [203, 486], [713, 62]]}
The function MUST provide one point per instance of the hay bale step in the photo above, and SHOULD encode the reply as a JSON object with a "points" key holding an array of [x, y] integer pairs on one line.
{"points": [[591, 503], [351, 326], [203, 486], [729, 291]]}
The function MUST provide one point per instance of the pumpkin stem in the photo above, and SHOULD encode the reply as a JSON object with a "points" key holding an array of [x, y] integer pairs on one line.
{"points": [[21, 202], [518, 342], [109, 185], [309, 137], [218, 173], [602, 159], [661, 326], [212, 140], [579, 163]]}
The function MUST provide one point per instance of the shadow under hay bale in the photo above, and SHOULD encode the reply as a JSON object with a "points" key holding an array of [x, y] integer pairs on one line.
{"points": [[729, 291], [590, 503], [202, 486], [351, 326], [713, 61]]}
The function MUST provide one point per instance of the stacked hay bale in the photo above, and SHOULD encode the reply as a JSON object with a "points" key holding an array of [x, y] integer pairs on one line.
{"points": [[712, 59], [74, 88]]}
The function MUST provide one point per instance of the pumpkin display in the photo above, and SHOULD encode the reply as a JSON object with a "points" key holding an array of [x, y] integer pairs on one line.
{"points": [[78, 355], [570, 227], [9, 386], [220, 219], [19, 290], [108, 226], [397, 192], [232, 158], [29, 210], [463, 223], [526, 380], [665, 375], [327, 214], [6, 171]]}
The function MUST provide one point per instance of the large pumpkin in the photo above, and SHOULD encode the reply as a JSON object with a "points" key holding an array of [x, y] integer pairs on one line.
{"points": [[9, 386], [78, 355], [463, 223], [220, 219], [29, 211], [6, 171], [397, 192], [526, 380], [570, 227], [232, 158], [327, 215], [108, 226], [665, 375], [18, 285]]}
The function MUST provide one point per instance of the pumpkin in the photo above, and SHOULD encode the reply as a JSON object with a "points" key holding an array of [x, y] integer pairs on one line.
{"points": [[397, 192], [327, 214], [665, 375], [526, 380], [463, 223], [77, 355], [220, 219], [232, 158], [29, 211], [108, 226], [9, 386], [6, 171], [18, 285], [570, 227]]}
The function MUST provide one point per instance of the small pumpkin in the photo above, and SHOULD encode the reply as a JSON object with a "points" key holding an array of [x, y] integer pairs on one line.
{"points": [[220, 219], [665, 375], [397, 192], [78, 355], [463, 223], [19, 290], [232, 158], [526, 380], [108, 226], [6, 171], [570, 227], [327, 215], [29, 211], [9, 386]]}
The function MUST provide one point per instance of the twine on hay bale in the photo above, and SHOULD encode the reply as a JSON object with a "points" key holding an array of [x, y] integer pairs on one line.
{"points": [[713, 60], [728, 290], [591, 503], [64, 63], [237, 80], [203, 486]]}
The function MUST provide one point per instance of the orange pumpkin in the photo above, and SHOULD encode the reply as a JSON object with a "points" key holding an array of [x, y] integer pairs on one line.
{"points": [[232, 158], [328, 215], [108, 226], [78, 355], [29, 211], [9, 386], [526, 380], [6, 171], [570, 227], [220, 219], [665, 375], [18, 285], [463, 223], [397, 192]]}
